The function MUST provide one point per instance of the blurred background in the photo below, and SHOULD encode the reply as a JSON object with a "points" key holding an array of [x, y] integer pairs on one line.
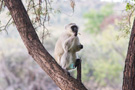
{"points": [[101, 24]]}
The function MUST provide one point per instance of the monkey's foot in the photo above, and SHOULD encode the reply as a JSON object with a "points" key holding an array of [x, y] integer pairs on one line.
{"points": [[77, 62]]}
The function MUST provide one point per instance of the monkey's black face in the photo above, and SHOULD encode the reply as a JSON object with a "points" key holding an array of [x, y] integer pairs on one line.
{"points": [[75, 29]]}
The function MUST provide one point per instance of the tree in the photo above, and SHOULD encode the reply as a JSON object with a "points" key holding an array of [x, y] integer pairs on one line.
{"points": [[129, 70], [36, 49]]}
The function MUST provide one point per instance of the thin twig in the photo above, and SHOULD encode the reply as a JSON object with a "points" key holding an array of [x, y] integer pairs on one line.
{"points": [[29, 5], [130, 16], [5, 26]]}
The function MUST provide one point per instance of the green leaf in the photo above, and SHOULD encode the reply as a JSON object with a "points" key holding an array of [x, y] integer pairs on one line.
{"points": [[128, 7]]}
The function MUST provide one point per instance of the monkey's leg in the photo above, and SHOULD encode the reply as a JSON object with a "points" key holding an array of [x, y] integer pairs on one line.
{"points": [[64, 62]]}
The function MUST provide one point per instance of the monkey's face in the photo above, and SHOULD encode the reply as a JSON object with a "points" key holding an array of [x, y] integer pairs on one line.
{"points": [[72, 29]]}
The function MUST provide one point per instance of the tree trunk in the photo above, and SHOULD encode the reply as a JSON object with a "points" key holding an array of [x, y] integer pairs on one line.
{"points": [[36, 49], [129, 71]]}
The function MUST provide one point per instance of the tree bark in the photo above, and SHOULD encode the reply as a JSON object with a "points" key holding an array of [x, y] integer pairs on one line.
{"points": [[36, 49], [129, 70]]}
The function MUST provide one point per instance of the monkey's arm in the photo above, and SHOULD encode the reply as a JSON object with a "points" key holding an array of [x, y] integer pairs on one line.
{"points": [[78, 45], [68, 43]]}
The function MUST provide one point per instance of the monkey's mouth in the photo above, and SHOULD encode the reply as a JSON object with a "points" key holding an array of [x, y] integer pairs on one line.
{"points": [[76, 33]]}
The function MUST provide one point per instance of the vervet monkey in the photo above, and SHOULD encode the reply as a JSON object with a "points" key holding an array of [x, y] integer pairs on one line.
{"points": [[67, 46]]}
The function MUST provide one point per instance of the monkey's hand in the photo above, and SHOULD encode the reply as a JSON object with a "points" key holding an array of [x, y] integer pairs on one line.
{"points": [[81, 46]]}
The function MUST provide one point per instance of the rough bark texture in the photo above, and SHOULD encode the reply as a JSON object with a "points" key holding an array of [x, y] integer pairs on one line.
{"points": [[129, 71], [36, 49]]}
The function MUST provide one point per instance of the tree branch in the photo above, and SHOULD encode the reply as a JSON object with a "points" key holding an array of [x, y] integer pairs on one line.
{"points": [[79, 71], [36, 49]]}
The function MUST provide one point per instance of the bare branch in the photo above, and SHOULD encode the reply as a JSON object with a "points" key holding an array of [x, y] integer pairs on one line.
{"points": [[1, 5], [72, 4], [5, 26], [130, 15], [79, 71]]}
